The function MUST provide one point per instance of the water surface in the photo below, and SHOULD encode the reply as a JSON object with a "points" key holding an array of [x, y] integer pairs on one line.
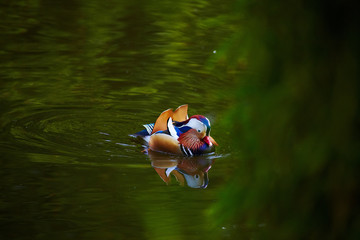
{"points": [[76, 79]]}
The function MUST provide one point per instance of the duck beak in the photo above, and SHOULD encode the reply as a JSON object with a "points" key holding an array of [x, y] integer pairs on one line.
{"points": [[210, 141]]}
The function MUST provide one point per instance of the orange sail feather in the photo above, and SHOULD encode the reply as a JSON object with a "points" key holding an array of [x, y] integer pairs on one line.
{"points": [[180, 114], [161, 121]]}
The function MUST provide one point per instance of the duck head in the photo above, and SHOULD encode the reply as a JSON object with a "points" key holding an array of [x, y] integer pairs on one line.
{"points": [[197, 135]]}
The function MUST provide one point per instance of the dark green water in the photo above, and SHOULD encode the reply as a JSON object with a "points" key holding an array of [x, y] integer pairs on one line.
{"points": [[76, 79]]}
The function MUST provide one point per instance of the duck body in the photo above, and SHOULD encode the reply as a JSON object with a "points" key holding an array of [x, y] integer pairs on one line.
{"points": [[174, 132]]}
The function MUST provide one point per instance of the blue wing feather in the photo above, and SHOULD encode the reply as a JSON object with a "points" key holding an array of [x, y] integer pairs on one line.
{"points": [[147, 131]]}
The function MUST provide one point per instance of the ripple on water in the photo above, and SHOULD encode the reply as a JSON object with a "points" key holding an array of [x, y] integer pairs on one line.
{"points": [[72, 132]]}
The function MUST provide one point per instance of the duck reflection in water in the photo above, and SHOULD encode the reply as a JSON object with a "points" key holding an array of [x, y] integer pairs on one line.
{"points": [[190, 171]]}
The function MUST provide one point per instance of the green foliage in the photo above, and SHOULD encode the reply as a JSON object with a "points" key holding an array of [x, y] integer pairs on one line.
{"points": [[295, 121]]}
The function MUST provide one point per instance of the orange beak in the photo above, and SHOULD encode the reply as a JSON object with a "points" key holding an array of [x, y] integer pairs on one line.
{"points": [[209, 141]]}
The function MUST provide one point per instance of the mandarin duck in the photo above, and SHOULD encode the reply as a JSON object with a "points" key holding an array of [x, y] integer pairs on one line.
{"points": [[175, 133]]}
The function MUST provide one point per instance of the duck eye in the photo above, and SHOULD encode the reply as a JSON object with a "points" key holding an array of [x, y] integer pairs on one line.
{"points": [[197, 176], [199, 130]]}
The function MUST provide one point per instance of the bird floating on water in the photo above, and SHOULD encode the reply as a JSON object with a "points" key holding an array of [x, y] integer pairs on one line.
{"points": [[175, 133]]}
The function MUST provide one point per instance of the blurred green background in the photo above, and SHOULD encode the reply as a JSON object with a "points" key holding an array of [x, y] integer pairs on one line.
{"points": [[277, 79], [295, 120]]}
